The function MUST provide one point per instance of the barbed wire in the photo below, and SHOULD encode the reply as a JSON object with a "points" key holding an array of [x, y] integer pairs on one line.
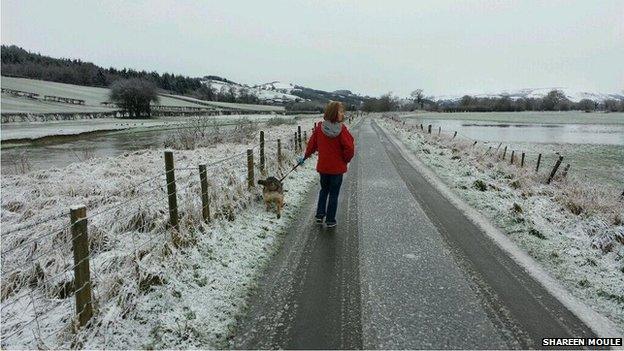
{"points": [[458, 134], [67, 270], [28, 226], [545, 156], [114, 206]]}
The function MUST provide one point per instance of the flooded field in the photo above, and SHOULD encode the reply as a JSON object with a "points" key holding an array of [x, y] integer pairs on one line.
{"points": [[59, 154], [592, 143]]}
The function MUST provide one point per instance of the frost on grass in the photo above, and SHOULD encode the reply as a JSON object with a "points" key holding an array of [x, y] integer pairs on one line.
{"points": [[572, 227], [147, 293]]}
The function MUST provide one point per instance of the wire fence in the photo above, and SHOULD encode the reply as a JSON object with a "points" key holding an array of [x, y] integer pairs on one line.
{"points": [[50, 260], [550, 164]]}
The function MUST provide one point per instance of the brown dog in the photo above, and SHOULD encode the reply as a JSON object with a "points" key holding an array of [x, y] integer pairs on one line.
{"points": [[273, 192]]}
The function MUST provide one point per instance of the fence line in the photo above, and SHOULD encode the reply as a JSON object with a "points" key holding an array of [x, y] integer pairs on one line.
{"points": [[475, 142], [57, 283]]}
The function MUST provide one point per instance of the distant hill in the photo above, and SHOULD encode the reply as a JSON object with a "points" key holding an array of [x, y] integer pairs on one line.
{"points": [[17, 62], [95, 98]]}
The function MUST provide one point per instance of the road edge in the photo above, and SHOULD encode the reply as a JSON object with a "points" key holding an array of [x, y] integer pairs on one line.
{"points": [[602, 326]]}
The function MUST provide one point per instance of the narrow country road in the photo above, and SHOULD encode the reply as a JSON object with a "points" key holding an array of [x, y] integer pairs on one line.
{"points": [[403, 269]]}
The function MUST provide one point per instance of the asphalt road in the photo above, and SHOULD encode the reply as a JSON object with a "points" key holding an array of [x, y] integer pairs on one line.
{"points": [[403, 269]]}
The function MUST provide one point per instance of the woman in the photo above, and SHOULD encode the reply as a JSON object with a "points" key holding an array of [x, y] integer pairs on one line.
{"points": [[335, 149]]}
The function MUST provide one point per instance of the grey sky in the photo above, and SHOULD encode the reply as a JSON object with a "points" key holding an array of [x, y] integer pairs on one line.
{"points": [[370, 47]]}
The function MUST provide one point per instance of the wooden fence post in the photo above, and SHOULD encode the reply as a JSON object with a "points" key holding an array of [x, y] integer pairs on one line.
{"points": [[305, 137], [171, 191], [203, 178], [429, 129], [299, 137], [512, 157], [505, 152], [421, 127], [250, 169], [295, 147], [454, 135], [82, 274], [522, 160], [539, 159], [565, 171], [279, 152], [475, 143], [554, 170], [439, 130], [262, 151]]}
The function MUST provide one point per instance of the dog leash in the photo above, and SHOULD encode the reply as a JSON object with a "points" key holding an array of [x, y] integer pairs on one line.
{"points": [[284, 177]]}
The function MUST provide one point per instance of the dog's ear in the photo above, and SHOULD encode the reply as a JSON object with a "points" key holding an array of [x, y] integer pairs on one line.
{"points": [[261, 181]]}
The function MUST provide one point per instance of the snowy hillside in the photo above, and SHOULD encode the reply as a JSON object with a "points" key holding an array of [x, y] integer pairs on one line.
{"points": [[275, 92], [282, 93], [284, 88], [572, 95]]}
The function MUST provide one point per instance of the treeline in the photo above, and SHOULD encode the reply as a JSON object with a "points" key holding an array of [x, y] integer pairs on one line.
{"points": [[225, 94], [18, 62], [555, 100], [21, 63]]}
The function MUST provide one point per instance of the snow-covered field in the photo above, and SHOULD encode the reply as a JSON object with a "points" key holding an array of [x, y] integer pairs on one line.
{"points": [[92, 96], [12, 104], [228, 105], [147, 292], [572, 227]]}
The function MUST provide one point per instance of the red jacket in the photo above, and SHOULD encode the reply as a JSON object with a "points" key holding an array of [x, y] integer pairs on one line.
{"points": [[334, 153]]}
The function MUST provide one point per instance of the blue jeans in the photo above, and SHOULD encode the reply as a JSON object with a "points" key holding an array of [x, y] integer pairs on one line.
{"points": [[330, 187]]}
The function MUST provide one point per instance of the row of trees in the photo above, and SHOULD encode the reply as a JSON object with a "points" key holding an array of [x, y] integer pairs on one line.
{"points": [[21, 63], [555, 100], [225, 94]]}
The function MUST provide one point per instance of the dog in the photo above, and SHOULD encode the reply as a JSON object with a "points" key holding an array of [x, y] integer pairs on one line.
{"points": [[273, 191]]}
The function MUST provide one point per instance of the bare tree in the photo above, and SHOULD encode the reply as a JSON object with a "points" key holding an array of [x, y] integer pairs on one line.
{"points": [[417, 96], [134, 95]]}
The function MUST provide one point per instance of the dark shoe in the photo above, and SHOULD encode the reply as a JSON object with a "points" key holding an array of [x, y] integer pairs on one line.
{"points": [[319, 220], [331, 224]]}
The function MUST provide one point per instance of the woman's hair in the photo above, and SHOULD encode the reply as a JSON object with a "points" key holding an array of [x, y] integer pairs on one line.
{"points": [[331, 111]]}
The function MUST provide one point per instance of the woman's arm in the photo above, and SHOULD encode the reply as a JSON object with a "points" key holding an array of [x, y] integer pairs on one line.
{"points": [[348, 145], [312, 144]]}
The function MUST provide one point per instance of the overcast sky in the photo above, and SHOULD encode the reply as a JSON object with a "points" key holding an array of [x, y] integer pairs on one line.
{"points": [[370, 47]]}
